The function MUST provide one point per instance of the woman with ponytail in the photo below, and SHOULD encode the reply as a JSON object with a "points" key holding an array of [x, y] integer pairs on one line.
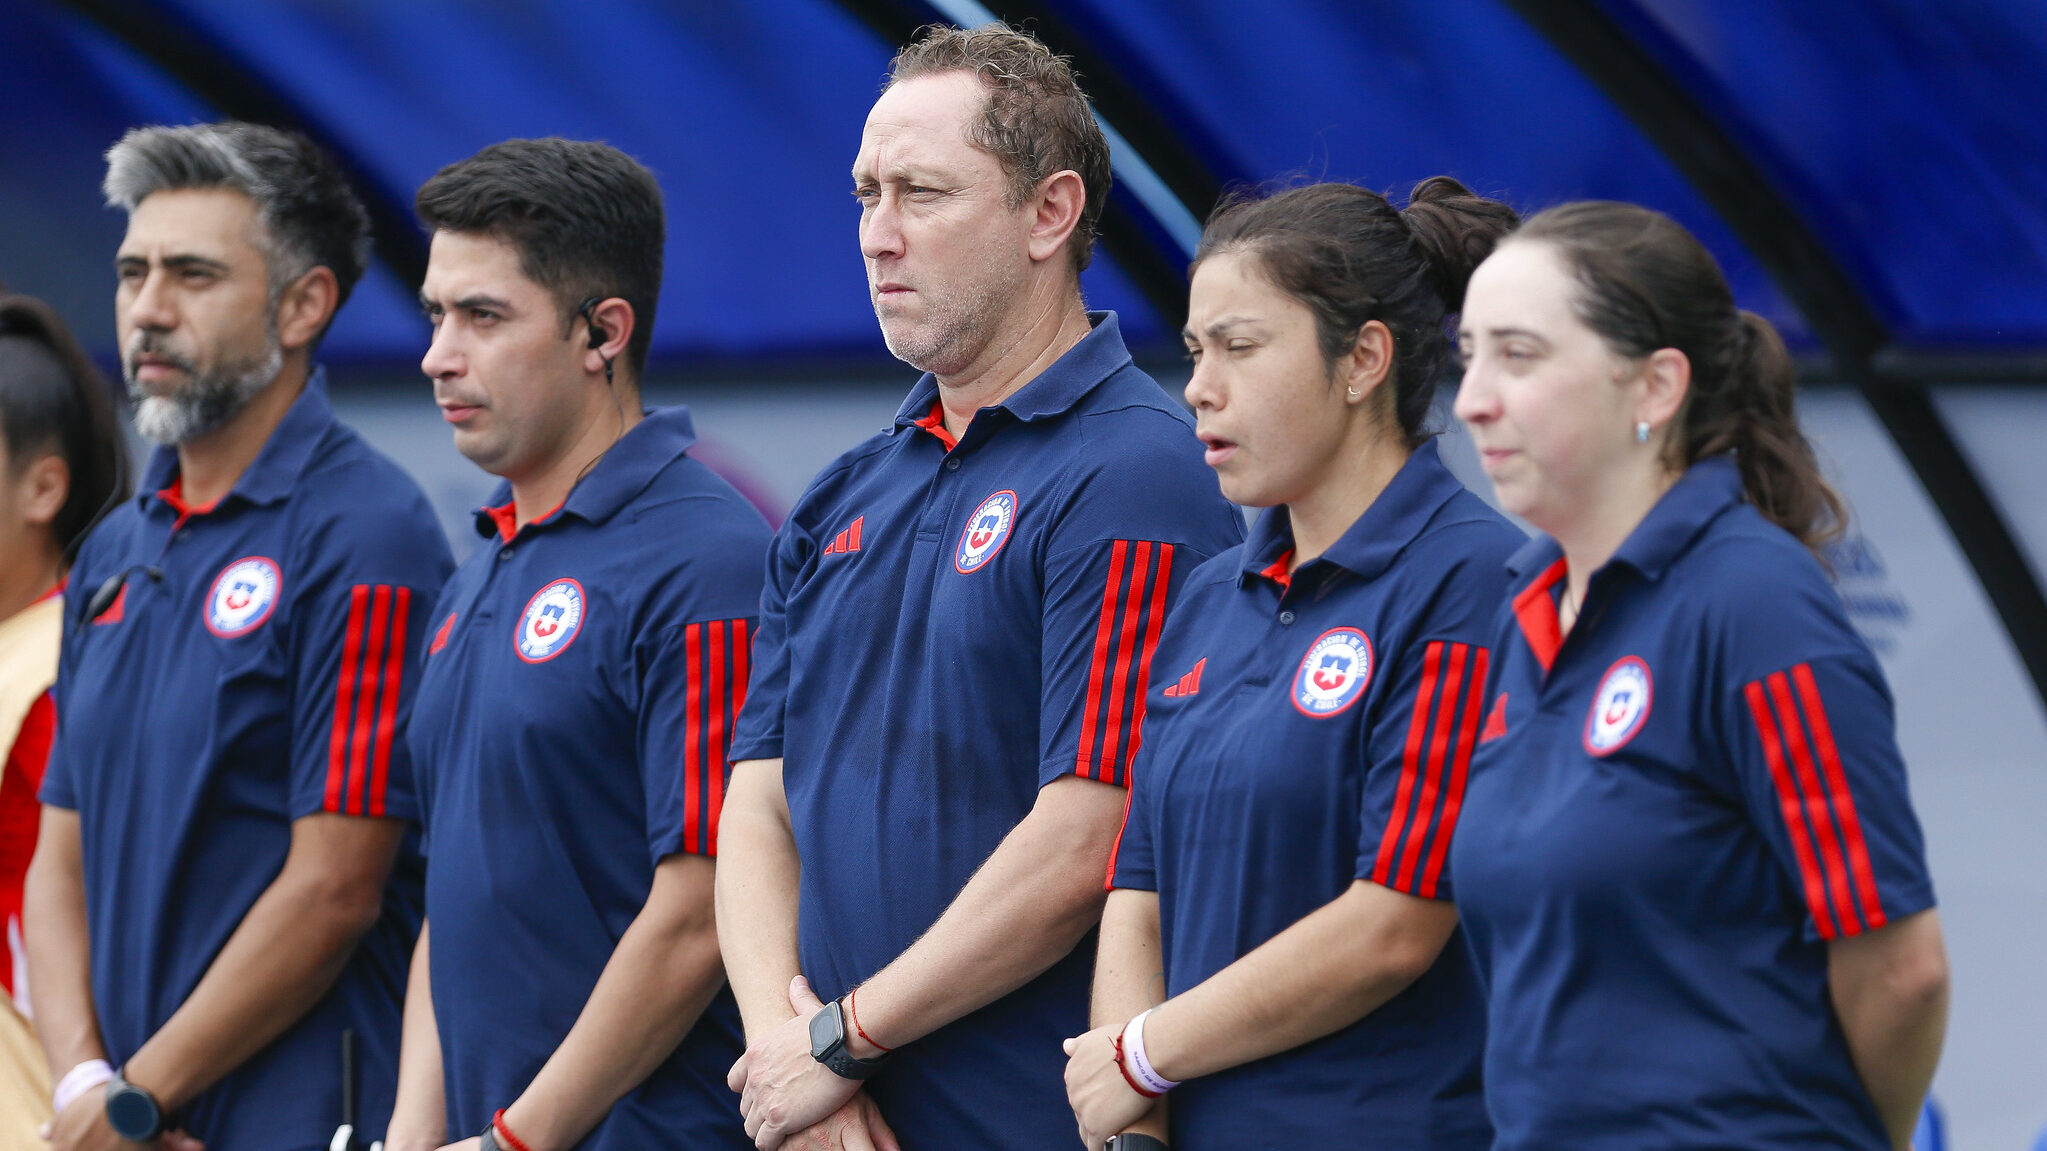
{"points": [[1688, 864], [1278, 949]]}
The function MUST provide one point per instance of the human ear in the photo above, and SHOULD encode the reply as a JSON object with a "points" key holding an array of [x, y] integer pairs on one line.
{"points": [[1369, 362], [1061, 198], [45, 484], [306, 306], [1666, 380]]}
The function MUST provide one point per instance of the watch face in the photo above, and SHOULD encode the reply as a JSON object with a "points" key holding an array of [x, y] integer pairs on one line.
{"points": [[132, 1113], [827, 1031]]}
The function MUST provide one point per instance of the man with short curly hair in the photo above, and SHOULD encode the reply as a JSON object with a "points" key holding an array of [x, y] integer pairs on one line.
{"points": [[954, 641]]}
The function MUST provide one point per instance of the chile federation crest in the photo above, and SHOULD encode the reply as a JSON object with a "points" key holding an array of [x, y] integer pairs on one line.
{"points": [[550, 622], [1619, 707], [987, 530], [1334, 673], [243, 596]]}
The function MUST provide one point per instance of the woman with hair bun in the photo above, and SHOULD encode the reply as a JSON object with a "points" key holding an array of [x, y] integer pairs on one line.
{"points": [[1278, 935], [1688, 866]]}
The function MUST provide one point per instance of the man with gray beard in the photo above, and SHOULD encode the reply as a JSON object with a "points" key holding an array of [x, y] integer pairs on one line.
{"points": [[226, 885]]}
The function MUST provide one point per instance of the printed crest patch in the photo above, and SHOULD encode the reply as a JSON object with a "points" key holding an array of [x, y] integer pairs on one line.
{"points": [[987, 530], [550, 622], [1334, 673], [1619, 707], [243, 596]]}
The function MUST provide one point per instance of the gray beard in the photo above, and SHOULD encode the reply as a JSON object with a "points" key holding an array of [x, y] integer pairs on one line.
{"points": [[210, 401]]}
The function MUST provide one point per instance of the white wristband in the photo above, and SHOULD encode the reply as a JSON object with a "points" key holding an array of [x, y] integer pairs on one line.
{"points": [[79, 1080], [1133, 1057]]}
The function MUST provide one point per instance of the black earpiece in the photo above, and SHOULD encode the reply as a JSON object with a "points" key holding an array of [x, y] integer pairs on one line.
{"points": [[588, 309]]}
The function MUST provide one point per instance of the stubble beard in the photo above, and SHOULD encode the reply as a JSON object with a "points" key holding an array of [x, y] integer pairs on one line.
{"points": [[208, 401], [956, 325]]}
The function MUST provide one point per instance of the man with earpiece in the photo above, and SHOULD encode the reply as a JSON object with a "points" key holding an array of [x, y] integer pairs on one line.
{"points": [[222, 898], [585, 665]]}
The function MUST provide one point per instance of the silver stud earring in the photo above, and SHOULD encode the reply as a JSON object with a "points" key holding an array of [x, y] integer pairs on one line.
{"points": [[1641, 431]]}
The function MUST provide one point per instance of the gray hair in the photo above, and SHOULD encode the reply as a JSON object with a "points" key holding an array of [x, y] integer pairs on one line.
{"points": [[311, 217]]}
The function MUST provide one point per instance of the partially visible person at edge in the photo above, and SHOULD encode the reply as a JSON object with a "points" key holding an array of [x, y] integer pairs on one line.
{"points": [[1688, 868], [61, 462], [954, 641], [222, 891], [585, 666], [1280, 872]]}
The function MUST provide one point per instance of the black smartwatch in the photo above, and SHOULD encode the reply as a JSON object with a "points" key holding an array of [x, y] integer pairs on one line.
{"points": [[1132, 1141], [828, 1045], [132, 1112]]}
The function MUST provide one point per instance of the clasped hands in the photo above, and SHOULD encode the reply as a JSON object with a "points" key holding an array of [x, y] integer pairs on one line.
{"points": [[793, 1102]]}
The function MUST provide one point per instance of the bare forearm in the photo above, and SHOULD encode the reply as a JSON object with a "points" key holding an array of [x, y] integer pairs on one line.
{"points": [[757, 887], [419, 1117], [59, 945], [283, 956], [1324, 973], [1130, 973], [662, 975], [1890, 992], [1024, 910], [287, 952]]}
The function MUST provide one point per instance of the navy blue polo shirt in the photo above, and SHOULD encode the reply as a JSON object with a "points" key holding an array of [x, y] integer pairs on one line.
{"points": [[570, 734], [1305, 732], [266, 675], [1672, 810], [947, 628]]}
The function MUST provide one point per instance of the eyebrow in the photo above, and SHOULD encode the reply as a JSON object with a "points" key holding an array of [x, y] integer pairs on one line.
{"points": [[177, 262], [467, 303], [1219, 327], [1503, 333]]}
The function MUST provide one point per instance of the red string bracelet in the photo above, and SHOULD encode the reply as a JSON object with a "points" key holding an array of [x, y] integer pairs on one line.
{"points": [[1140, 1088], [854, 1011], [504, 1133]]}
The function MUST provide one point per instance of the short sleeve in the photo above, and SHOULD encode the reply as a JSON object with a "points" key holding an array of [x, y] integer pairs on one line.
{"points": [[1815, 755], [1418, 746], [368, 583], [1104, 606], [693, 684], [1133, 861], [1415, 773], [58, 788], [757, 734]]}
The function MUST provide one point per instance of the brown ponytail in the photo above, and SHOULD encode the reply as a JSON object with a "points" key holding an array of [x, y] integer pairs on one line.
{"points": [[1350, 257], [1647, 283]]}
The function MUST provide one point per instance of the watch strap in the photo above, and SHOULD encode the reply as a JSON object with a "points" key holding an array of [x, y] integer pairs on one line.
{"points": [[1134, 1141]]}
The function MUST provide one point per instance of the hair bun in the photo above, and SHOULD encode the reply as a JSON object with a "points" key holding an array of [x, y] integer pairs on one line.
{"points": [[1456, 230]]}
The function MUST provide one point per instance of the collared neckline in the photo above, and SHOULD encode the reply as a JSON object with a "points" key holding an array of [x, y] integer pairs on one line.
{"points": [[661, 437], [1056, 390], [1368, 547], [1707, 489], [275, 471]]}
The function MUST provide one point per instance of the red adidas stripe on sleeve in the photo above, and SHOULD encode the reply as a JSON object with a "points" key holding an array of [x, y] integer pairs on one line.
{"points": [[366, 699], [1133, 610], [1834, 867], [718, 654], [1434, 768]]}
